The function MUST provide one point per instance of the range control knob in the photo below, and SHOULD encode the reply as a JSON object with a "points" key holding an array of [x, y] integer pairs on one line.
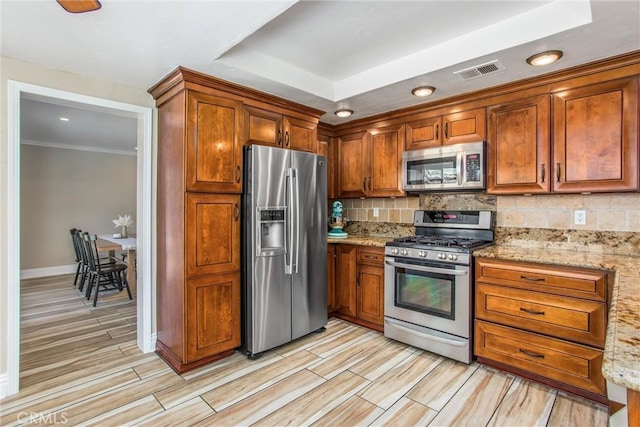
{"points": [[422, 254], [405, 252], [442, 256], [453, 257], [394, 251]]}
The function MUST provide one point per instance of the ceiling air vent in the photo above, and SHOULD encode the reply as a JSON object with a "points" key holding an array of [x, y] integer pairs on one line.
{"points": [[479, 70]]}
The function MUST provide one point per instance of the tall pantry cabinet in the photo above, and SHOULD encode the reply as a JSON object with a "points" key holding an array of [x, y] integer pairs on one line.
{"points": [[200, 139]]}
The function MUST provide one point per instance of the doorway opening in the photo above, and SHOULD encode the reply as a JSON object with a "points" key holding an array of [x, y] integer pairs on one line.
{"points": [[143, 115]]}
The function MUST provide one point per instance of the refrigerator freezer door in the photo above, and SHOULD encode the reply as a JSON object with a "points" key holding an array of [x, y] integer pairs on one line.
{"points": [[309, 243], [267, 289]]}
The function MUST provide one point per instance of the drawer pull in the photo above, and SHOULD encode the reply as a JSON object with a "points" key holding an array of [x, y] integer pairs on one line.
{"points": [[529, 353], [533, 279], [371, 257], [537, 313]]}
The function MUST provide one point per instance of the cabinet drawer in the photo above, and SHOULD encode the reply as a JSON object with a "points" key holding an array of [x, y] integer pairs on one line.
{"points": [[573, 282], [371, 255], [572, 364], [563, 317]]}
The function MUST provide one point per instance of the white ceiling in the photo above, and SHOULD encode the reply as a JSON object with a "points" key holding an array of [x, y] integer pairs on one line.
{"points": [[362, 55]]}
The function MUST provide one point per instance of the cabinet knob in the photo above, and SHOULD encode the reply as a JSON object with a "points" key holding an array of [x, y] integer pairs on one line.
{"points": [[286, 138]]}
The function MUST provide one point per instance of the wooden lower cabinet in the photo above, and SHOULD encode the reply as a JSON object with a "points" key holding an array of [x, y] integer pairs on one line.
{"points": [[360, 285], [346, 277], [331, 278], [562, 361], [213, 315], [543, 322]]}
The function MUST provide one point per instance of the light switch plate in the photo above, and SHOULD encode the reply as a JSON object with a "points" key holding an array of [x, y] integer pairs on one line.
{"points": [[376, 212], [579, 217]]}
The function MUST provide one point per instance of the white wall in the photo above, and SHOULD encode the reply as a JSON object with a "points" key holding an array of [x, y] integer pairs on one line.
{"points": [[62, 189], [11, 69]]}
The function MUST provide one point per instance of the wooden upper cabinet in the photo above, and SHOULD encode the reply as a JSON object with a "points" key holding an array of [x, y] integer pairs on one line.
{"points": [[301, 135], [214, 150], [352, 174], [327, 147], [385, 161], [212, 233], [518, 147], [595, 137], [371, 163], [424, 133], [264, 127], [454, 128], [465, 126]]}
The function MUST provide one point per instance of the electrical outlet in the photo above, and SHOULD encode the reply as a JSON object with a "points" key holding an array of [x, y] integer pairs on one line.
{"points": [[376, 212], [579, 217]]}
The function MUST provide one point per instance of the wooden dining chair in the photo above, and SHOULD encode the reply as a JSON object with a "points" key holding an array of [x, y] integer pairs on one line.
{"points": [[75, 232], [103, 276]]}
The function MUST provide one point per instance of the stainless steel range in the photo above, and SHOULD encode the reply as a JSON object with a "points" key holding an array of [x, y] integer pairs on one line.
{"points": [[428, 281]]}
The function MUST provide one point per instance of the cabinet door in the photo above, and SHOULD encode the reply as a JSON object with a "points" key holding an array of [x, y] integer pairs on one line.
{"points": [[213, 315], [331, 278], [262, 127], [385, 162], [424, 133], [301, 135], [465, 126], [352, 176], [327, 147], [214, 150], [595, 137], [518, 147], [370, 294], [213, 233], [346, 278]]}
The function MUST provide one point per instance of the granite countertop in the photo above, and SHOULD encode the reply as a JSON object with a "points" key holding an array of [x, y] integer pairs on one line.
{"points": [[357, 239], [621, 364]]}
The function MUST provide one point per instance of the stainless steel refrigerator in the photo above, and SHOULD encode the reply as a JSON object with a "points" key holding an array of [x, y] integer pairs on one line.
{"points": [[284, 237]]}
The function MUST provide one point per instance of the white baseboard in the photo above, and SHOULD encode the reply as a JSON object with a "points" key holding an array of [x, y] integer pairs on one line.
{"points": [[3, 385], [32, 273]]}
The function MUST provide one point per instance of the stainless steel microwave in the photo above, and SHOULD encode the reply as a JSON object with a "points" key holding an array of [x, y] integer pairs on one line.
{"points": [[447, 168]]}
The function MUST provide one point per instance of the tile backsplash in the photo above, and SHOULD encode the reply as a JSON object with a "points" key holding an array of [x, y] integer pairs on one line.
{"points": [[604, 212], [612, 220]]}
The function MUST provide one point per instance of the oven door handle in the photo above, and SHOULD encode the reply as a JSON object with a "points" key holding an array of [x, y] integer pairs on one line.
{"points": [[427, 269], [456, 343]]}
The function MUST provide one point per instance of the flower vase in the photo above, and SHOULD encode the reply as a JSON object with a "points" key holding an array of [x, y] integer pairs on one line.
{"points": [[124, 231]]}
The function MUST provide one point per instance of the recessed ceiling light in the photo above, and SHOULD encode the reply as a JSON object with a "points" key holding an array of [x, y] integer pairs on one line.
{"points": [[64, 119], [544, 58], [423, 91], [343, 112]]}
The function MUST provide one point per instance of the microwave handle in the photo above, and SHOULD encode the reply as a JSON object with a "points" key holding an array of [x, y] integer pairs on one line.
{"points": [[460, 170]]}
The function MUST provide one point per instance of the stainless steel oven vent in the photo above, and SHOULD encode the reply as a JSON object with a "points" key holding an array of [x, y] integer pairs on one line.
{"points": [[480, 70]]}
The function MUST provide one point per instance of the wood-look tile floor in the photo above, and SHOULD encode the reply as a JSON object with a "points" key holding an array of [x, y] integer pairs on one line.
{"points": [[80, 366]]}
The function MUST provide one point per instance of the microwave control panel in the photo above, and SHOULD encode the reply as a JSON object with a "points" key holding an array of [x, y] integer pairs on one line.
{"points": [[473, 164]]}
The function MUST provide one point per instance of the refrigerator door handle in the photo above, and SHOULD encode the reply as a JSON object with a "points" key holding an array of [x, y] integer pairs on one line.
{"points": [[296, 242], [288, 249]]}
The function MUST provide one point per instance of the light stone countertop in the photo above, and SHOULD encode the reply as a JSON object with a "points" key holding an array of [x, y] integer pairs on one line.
{"points": [[621, 364], [356, 239]]}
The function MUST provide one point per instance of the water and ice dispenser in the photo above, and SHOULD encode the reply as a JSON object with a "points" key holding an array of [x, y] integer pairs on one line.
{"points": [[271, 229]]}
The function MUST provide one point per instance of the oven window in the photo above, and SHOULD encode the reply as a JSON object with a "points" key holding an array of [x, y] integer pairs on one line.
{"points": [[430, 293]]}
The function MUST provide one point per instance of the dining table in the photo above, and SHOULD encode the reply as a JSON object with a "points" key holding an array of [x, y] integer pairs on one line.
{"points": [[109, 243]]}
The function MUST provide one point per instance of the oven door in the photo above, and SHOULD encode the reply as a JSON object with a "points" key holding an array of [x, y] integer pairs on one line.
{"points": [[430, 294]]}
